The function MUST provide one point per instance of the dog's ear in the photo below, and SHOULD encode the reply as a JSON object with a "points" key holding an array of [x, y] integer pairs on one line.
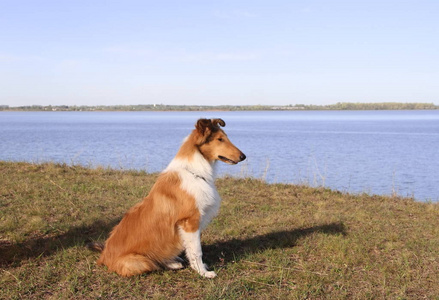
{"points": [[204, 127], [220, 122]]}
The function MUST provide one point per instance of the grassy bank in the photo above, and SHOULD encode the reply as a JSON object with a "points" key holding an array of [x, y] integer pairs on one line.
{"points": [[269, 241]]}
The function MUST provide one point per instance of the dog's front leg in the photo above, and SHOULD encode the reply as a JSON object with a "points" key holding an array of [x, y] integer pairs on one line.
{"points": [[192, 245]]}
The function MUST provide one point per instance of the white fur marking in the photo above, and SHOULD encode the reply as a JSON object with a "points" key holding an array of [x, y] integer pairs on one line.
{"points": [[174, 265], [192, 245], [197, 178]]}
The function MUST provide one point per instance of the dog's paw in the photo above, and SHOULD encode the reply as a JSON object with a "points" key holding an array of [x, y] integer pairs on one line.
{"points": [[175, 265], [209, 274]]}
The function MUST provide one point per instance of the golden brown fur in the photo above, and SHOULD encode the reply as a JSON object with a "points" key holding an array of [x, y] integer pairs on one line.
{"points": [[148, 235], [147, 238]]}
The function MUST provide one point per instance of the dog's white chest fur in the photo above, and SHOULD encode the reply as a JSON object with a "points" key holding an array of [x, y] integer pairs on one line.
{"points": [[197, 178]]}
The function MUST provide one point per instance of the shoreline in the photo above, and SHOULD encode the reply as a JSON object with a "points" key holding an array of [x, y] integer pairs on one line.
{"points": [[225, 176], [348, 106]]}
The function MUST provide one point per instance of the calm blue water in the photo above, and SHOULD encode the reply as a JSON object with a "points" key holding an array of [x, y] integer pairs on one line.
{"points": [[377, 152]]}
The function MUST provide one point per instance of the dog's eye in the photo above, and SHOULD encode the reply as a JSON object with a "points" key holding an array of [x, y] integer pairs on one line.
{"points": [[220, 139]]}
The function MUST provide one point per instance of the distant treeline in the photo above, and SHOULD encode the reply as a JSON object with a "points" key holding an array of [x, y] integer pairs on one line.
{"points": [[371, 106], [162, 107]]}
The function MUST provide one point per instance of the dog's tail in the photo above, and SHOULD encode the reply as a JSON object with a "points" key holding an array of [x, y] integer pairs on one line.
{"points": [[96, 246]]}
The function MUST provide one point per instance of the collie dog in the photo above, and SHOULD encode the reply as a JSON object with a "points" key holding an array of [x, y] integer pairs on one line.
{"points": [[179, 206]]}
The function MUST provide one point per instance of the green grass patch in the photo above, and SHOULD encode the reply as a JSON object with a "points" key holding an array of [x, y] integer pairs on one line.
{"points": [[268, 241]]}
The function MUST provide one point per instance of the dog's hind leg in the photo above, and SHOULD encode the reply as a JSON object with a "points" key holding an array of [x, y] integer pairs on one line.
{"points": [[133, 264]]}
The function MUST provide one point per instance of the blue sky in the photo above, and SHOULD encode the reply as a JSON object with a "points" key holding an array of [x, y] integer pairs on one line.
{"points": [[218, 52]]}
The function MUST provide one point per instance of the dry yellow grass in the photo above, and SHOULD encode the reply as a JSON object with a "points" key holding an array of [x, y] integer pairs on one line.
{"points": [[269, 240]]}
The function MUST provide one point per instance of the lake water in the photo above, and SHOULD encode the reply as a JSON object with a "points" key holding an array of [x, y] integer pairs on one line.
{"points": [[378, 152]]}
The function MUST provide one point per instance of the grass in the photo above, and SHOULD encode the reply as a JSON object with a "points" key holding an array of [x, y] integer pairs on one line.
{"points": [[270, 241]]}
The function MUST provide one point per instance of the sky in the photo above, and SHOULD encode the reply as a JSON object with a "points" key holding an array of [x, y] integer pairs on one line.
{"points": [[219, 52]]}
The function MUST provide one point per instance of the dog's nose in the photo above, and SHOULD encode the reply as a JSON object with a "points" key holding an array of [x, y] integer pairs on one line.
{"points": [[242, 157]]}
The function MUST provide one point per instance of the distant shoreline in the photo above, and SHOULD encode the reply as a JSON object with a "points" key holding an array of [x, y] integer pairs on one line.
{"points": [[162, 107]]}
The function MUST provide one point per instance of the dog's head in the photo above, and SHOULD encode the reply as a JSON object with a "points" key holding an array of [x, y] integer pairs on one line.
{"points": [[214, 144]]}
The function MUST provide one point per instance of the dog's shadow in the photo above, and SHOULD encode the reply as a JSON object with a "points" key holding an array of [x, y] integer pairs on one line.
{"points": [[223, 251], [235, 249], [42, 246]]}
